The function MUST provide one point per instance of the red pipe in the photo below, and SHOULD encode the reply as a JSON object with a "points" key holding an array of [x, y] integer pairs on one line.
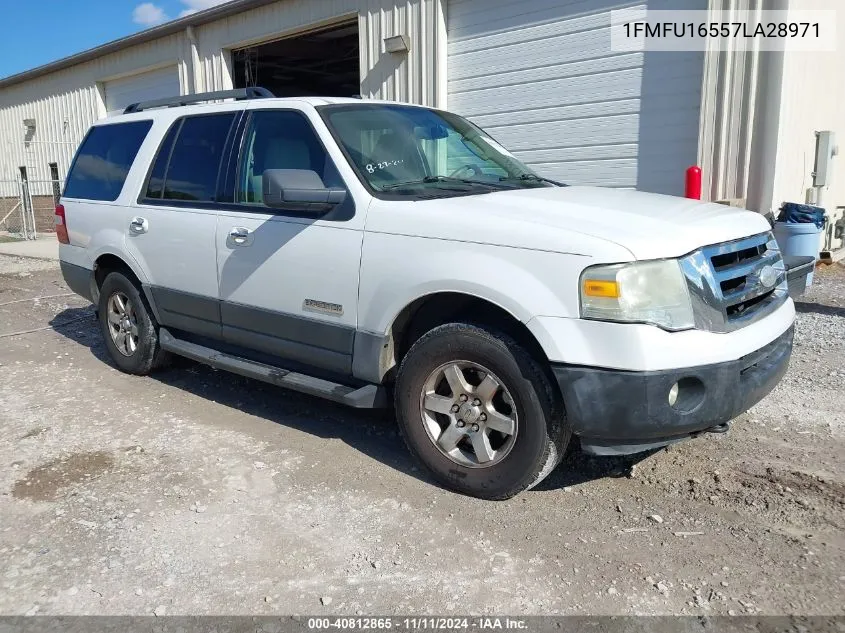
{"points": [[692, 187]]}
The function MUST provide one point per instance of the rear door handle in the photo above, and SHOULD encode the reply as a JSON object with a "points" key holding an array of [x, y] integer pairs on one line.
{"points": [[240, 236], [139, 225]]}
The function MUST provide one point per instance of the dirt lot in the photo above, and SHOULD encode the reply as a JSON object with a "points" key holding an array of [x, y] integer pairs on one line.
{"points": [[197, 492]]}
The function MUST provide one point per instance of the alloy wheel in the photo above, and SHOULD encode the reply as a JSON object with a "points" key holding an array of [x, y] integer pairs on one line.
{"points": [[123, 323], [468, 414]]}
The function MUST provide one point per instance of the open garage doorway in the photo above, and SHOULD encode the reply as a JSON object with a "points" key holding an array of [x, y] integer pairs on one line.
{"points": [[324, 62]]}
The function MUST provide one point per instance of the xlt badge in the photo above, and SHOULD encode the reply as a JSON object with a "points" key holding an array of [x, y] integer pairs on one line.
{"points": [[312, 305]]}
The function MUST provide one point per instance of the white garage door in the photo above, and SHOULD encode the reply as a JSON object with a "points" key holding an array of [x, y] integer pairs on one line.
{"points": [[155, 84], [540, 77]]}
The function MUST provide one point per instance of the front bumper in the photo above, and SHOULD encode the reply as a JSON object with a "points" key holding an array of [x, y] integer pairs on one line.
{"points": [[617, 412]]}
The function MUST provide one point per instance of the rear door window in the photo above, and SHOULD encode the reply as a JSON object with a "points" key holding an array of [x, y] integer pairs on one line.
{"points": [[194, 164], [103, 160]]}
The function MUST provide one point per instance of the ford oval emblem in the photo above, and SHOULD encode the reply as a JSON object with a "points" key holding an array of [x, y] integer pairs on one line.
{"points": [[768, 276]]}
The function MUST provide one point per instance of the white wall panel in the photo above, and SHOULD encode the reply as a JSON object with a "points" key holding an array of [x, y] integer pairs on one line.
{"points": [[64, 104]]}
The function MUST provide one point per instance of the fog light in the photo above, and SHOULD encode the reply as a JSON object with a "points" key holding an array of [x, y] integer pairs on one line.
{"points": [[673, 395]]}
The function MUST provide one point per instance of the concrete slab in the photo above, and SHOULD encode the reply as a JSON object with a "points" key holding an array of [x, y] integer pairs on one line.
{"points": [[45, 247]]}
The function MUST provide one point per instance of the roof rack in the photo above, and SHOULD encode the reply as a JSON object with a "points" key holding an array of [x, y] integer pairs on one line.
{"points": [[171, 102]]}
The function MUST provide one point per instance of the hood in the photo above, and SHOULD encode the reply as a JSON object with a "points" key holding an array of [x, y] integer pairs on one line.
{"points": [[648, 225]]}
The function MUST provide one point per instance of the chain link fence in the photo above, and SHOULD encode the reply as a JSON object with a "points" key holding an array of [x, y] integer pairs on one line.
{"points": [[15, 211], [44, 196], [27, 207]]}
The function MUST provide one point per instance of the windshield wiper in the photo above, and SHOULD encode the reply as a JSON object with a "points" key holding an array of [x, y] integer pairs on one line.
{"points": [[534, 178], [444, 179]]}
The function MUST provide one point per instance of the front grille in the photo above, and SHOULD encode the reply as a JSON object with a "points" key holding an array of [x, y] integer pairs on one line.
{"points": [[726, 260], [742, 308], [735, 283]]}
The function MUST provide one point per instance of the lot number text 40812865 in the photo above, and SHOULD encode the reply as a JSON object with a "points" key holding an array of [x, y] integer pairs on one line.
{"points": [[429, 623]]}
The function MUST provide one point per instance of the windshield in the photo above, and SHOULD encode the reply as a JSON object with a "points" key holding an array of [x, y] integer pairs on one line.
{"points": [[407, 150]]}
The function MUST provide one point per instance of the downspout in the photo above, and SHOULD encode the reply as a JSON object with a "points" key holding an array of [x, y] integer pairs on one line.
{"points": [[441, 53], [193, 59], [764, 140]]}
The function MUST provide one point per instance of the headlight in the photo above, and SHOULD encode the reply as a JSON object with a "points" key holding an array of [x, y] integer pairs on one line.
{"points": [[641, 292]]}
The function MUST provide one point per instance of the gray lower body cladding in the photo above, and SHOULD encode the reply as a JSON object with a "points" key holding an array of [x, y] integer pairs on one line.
{"points": [[79, 279], [308, 341], [335, 348]]}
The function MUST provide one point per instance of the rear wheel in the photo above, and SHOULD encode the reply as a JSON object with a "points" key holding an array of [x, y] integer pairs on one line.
{"points": [[478, 411], [130, 334]]}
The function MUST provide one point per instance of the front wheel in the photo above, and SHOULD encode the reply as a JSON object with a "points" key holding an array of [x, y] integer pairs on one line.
{"points": [[478, 411]]}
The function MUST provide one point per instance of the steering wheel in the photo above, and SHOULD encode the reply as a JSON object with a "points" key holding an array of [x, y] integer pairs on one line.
{"points": [[475, 169]]}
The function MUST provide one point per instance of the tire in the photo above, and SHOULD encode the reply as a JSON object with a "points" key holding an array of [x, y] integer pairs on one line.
{"points": [[506, 463], [138, 352]]}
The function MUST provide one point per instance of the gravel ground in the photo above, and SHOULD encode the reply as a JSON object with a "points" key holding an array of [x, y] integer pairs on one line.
{"points": [[199, 492]]}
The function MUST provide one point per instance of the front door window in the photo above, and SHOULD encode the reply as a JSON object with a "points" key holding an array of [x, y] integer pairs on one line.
{"points": [[280, 139]]}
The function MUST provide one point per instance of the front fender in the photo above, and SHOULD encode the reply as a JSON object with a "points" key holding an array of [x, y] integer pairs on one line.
{"points": [[397, 270]]}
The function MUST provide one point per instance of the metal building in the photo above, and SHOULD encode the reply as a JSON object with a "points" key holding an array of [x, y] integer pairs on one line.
{"points": [[537, 74]]}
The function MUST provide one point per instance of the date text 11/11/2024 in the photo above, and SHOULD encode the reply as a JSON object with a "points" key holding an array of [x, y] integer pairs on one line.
{"points": [[735, 30], [429, 623]]}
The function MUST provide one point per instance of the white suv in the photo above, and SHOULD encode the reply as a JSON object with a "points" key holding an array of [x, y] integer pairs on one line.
{"points": [[352, 249]]}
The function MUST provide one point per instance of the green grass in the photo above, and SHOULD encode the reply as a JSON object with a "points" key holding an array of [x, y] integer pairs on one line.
{"points": [[9, 238]]}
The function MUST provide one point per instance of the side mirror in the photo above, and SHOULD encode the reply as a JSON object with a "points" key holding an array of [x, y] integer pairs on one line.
{"points": [[299, 190]]}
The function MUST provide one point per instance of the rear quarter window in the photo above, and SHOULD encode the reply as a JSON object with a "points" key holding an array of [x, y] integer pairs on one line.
{"points": [[104, 159]]}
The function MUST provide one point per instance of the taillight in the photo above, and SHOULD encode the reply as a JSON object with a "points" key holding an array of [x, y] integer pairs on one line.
{"points": [[61, 226]]}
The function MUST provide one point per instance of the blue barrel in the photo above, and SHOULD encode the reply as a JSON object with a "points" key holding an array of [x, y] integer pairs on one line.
{"points": [[798, 238]]}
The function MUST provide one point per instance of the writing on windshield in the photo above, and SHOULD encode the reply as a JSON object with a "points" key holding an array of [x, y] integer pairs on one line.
{"points": [[408, 149]]}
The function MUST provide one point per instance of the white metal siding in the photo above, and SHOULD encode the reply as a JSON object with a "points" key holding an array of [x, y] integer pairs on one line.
{"points": [[64, 104], [759, 116], [408, 77], [730, 85], [154, 84], [812, 99], [539, 75]]}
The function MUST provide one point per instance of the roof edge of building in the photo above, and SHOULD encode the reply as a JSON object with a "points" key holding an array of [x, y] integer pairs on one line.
{"points": [[163, 30]]}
